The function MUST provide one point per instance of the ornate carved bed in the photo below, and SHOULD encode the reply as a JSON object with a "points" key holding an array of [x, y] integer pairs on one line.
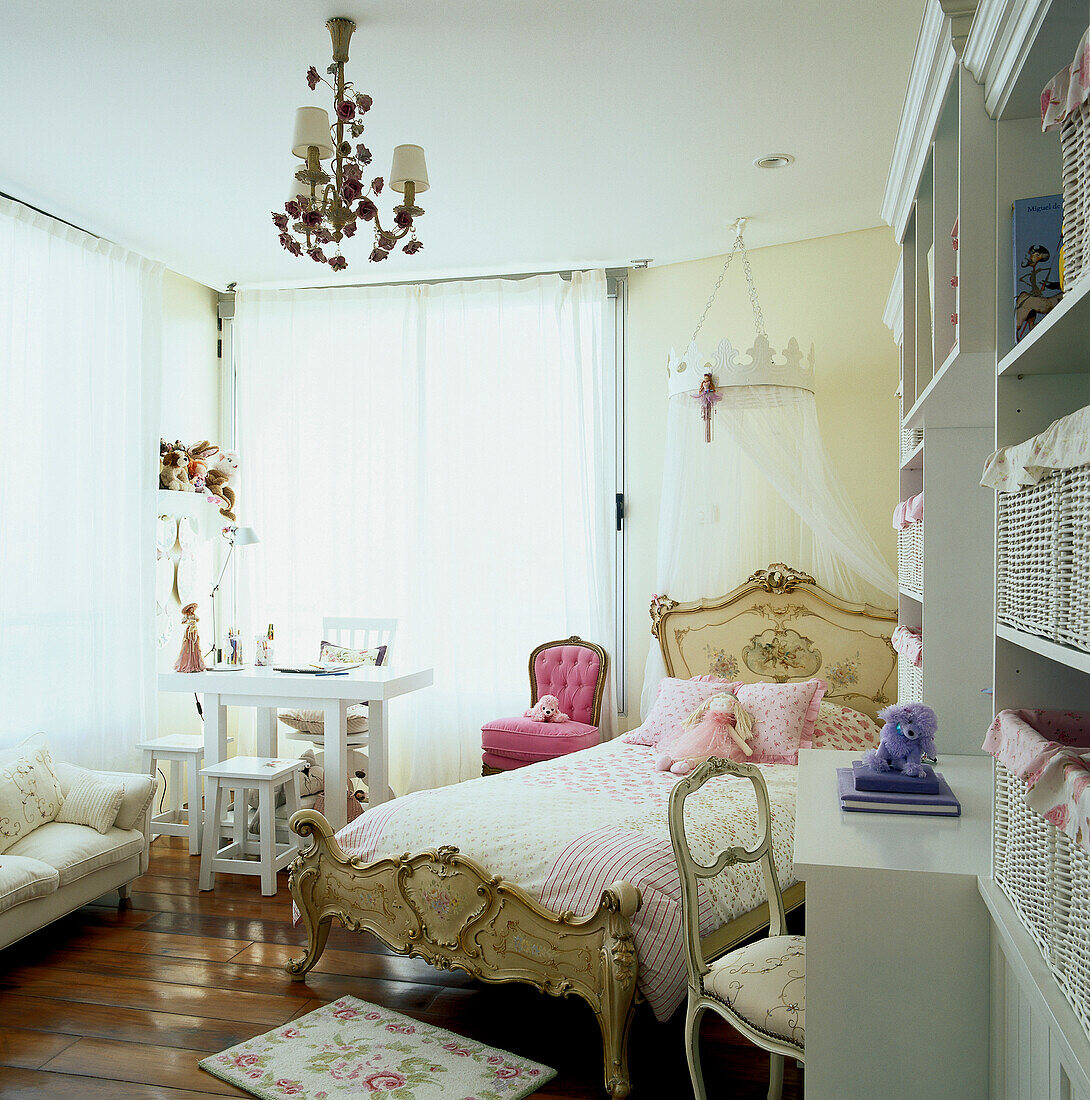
{"points": [[451, 911]]}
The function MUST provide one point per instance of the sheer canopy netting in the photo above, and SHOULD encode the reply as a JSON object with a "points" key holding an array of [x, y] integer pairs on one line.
{"points": [[763, 490]]}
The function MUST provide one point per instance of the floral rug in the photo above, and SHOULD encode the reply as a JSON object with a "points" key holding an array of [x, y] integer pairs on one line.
{"points": [[352, 1048]]}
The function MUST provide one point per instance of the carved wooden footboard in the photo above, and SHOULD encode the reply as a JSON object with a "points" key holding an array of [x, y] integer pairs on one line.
{"points": [[444, 908]]}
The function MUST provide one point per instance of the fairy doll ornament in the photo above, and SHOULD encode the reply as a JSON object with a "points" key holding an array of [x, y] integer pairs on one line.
{"points": [[709, 397], [190, 659]]}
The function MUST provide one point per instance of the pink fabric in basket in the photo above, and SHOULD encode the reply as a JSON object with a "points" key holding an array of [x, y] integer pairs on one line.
{"points": [[1024, 741], [570, 672], [1061, 794], [783, 718], [676, 700]]}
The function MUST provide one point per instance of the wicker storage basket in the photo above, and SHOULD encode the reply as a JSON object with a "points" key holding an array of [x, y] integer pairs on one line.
{"points": [[1075, 149], [1024, 845], [910, 557], [909, 682], [1070, 894], [911, 438], [1073, 597], [1028, 558]]}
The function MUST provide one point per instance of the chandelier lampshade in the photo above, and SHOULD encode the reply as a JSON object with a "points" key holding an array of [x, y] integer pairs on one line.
{"points": [[409, 167], [326, 206], [311, 129]]}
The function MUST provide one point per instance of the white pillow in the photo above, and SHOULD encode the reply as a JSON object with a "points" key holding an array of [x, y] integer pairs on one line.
{"points": [[93, 800], [139, 791], [312, 719], [29, 792]]}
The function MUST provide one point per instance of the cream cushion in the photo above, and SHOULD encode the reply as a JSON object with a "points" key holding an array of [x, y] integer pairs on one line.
{"points": [[764, 983], [139, 791], [23, 879], [93, 801], [312, 719], [30, 794], [75, 850]]}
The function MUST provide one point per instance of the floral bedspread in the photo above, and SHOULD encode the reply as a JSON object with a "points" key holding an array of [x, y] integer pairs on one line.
{"points": [[565, 829]]}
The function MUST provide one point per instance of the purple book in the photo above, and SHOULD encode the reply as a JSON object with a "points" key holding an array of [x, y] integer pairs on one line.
{"points": [[868, 778], [943, 804]]}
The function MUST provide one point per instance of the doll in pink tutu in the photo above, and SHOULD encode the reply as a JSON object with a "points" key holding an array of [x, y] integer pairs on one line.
{"points": [[718, 727]]}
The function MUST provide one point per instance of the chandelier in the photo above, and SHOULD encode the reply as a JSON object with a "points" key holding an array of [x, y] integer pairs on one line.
{"points": [[325, 207]]}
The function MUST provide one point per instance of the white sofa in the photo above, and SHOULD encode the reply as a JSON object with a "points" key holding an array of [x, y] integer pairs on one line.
{"points": [[57, 867]]}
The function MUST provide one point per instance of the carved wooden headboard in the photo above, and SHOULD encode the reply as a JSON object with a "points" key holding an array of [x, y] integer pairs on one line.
{"points": [[781, 625]]}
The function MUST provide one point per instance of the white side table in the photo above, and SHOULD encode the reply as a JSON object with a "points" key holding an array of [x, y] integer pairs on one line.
{"points": [[897, 939], [242, 774]]}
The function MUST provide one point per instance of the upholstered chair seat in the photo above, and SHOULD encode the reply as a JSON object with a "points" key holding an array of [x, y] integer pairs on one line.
{"points": [[575, 672]]}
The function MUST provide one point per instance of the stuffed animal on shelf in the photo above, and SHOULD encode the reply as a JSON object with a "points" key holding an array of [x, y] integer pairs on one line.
{"points": [[720, 726], [222, 467], [173, 467], [546, 709], [908, 734]]}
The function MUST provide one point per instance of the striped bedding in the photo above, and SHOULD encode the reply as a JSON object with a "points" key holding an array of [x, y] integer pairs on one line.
{"points": [[566, 829]]}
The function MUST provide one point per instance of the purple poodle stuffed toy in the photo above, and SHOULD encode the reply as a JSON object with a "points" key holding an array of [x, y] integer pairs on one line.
{"points": [[908, 733]]}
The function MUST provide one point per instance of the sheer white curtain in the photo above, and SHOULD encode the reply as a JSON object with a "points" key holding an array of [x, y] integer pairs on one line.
{"points": [[442, 454], [763, 490], [79, 427]]}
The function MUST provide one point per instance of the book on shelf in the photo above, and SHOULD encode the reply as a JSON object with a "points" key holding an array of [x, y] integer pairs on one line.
{"points": [[943, 804], [868, 778], [1036, 242]]}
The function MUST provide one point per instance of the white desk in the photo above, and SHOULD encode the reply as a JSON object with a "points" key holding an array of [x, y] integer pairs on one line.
{"points": [[267, 691], [897, 939]]}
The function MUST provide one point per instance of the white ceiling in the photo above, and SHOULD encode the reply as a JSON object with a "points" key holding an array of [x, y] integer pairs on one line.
{"points": [[559, 133]]}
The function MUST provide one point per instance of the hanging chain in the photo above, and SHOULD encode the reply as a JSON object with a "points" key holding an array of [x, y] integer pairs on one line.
{"points": [[715, 291], [758, 316]]}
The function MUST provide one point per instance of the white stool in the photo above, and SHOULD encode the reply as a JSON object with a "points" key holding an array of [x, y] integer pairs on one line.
{"points": [[175, 819], [242, 774]]}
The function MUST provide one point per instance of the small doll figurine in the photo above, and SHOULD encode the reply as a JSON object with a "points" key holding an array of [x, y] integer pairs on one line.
{"points": [[708, 396], [718, 727], [190, 659]]}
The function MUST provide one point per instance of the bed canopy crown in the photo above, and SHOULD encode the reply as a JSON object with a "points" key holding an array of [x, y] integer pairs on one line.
{"points": [[747, 479]]}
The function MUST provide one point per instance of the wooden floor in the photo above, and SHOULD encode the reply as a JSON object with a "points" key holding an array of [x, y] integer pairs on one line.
{"points": [[118, 1004]]}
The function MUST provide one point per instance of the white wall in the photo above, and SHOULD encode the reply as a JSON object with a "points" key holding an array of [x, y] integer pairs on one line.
{"points": [[831, 291], [190, 412]]}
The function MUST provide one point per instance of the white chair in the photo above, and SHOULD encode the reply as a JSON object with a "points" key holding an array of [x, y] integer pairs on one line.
{"points": [[241, 774], [352, 633], [760, 988]]}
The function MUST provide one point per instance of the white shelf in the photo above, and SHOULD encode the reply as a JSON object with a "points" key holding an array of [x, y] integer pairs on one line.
{"points": [[1057, 344], [914, 460], [909, 594], [173, 502], [952, 397], [1054, 651]]}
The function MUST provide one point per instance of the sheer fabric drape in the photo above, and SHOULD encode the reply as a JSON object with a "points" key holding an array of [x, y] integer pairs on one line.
{"points": [[441, 454], [763, 490], [79, 427]]}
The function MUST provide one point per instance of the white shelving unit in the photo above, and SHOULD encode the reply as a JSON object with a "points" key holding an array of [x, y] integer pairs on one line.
{"points": [[969, 144]]}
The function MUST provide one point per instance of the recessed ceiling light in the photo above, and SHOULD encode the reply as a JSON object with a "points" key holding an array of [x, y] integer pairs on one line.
{"points": [[774, 160]]}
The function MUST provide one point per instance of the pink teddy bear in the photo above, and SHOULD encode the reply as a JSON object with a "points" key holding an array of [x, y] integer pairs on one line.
{"points": [[546, 709]]}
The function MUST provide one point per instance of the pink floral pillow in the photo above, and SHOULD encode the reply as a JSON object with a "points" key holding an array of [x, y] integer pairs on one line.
{"points": [[783, 718], [843, 728], [676, 700]]}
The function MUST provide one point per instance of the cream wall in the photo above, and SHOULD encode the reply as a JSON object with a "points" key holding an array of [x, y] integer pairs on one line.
{"points": [[831, 291], [190, 412]]}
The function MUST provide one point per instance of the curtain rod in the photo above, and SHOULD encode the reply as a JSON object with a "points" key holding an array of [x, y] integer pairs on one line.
{"points": [[47, 214], [611, 273]]}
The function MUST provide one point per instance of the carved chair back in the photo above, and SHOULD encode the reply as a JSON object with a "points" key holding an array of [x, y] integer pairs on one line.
{"points": [[691, 871], [575, 672]]}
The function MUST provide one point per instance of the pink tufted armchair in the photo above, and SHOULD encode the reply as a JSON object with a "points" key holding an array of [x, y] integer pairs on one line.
{"points": [[575, 672]]}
